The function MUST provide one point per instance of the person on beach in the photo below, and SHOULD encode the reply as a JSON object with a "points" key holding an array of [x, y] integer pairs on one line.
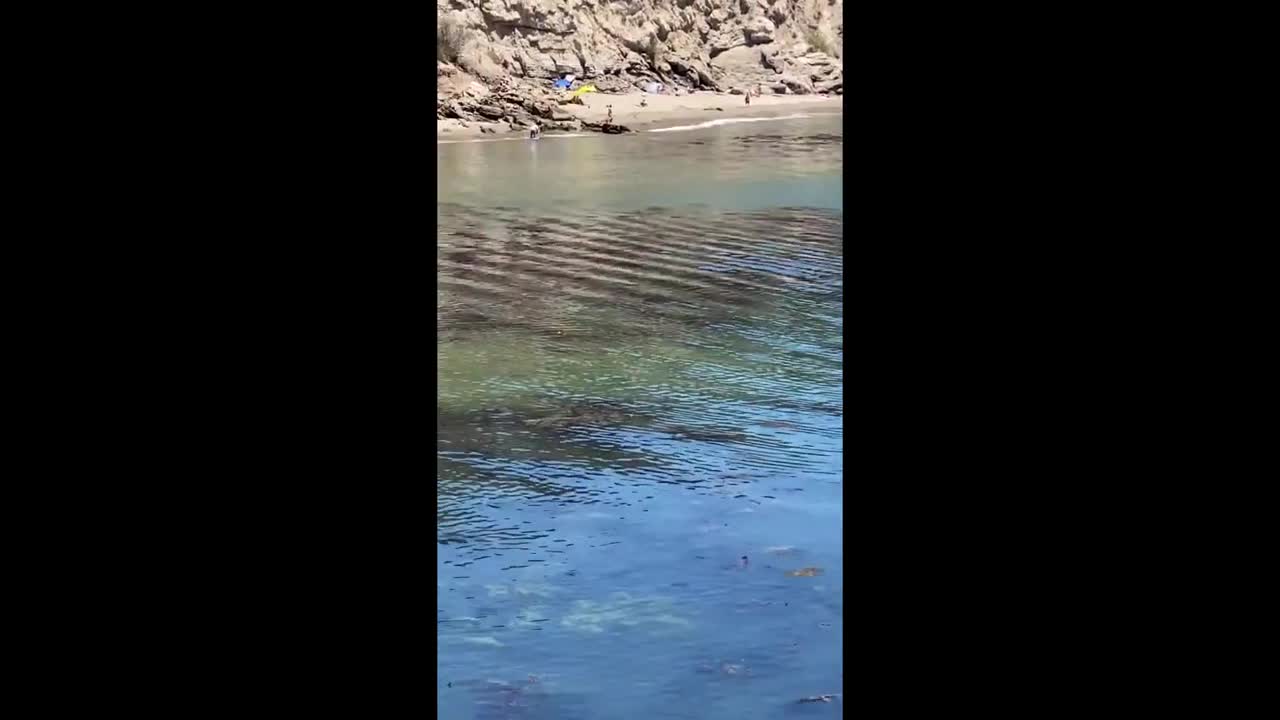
{"points": [[644, 102], [534, 131], [609, 119], [747, 95]]}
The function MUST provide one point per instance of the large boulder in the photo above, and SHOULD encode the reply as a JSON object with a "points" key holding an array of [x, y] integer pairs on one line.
{"points": [[759, 30], [796, 85], [492, 112], [835, 86]]}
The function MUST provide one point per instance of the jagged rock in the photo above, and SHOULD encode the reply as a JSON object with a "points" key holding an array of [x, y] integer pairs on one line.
{"points": [[816, 58], [452, 110], [830, 86], [514, 48], [724, 40], [779, 12], [769, 59]]}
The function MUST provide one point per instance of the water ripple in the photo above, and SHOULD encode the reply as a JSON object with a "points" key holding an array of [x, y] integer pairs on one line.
{"points": [[586, 355]]}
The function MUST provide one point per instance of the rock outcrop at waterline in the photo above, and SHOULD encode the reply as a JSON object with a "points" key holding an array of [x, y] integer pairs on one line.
{"points": [[496, 59]]}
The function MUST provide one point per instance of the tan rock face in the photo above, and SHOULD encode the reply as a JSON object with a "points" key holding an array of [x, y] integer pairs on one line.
{"points": [[520, 46]]}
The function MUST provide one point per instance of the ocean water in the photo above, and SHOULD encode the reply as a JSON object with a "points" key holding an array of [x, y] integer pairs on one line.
{"points": [[639, 425]]}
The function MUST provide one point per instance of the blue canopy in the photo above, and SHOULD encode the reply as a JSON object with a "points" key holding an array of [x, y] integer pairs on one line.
{"points": [[562, 84]]}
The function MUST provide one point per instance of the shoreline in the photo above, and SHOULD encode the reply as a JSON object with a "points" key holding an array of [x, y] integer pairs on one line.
{"points": [[662, 112]]}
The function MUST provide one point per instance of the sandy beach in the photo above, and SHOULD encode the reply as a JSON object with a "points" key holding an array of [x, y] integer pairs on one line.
{"points": [[660, 111]]}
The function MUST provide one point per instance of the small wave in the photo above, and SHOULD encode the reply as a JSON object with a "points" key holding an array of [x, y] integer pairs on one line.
{"points": [[696, 126], [733, 120], [512, 139], [479, 140]]}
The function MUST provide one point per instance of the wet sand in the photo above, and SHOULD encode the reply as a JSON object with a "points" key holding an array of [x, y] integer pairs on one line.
{"points": [[661, 111]]}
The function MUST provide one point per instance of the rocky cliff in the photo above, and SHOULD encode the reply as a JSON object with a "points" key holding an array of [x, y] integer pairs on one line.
{"points": [[496, 58]]}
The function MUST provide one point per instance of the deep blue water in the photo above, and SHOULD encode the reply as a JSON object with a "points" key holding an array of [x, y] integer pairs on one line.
{"points": [[640, 367]]}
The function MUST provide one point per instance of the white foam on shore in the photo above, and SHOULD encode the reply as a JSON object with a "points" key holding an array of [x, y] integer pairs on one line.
{"points": [[734, 120], [513, 139]]}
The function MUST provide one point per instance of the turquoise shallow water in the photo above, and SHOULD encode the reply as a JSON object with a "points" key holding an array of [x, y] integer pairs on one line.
{"points": [[639, 434]]}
